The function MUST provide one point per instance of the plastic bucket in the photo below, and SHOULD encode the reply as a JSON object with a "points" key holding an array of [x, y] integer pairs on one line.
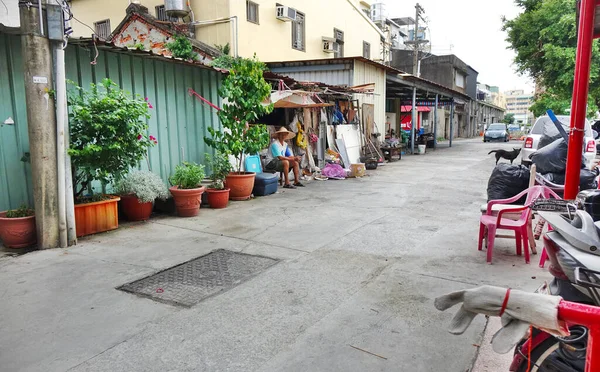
{"points": [[422, 149]]}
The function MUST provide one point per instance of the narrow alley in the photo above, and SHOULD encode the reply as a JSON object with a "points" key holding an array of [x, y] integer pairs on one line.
{"points": [[360, 262]]}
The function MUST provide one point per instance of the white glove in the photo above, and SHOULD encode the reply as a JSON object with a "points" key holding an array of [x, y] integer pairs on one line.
{"points": [[521, 310]]}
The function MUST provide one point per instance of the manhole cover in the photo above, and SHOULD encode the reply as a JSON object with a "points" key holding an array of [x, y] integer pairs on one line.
{"points": [[191, 282]]}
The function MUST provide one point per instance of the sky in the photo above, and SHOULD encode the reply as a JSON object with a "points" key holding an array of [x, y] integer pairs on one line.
{"points": [[472, 30]]}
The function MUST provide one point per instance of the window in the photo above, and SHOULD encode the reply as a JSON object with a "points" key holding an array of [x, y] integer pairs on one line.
{"points": [[366, 50], [459, 80], [338, 35], [102, 28], [299, 32], [161, 14], [252, 12]]}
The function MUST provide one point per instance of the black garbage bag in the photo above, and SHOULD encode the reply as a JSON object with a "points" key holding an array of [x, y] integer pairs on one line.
{"points": [[555, 178], [507, 181], [552, 158], [587, 179], [546, 140]]}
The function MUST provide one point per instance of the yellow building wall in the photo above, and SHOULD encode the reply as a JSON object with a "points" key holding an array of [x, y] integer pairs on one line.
{"points": [[90, 11], [365, 73], [271, 39]]}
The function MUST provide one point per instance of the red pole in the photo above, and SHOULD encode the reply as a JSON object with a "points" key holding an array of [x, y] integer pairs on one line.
{"points": [[589, 317], [580, 96]]}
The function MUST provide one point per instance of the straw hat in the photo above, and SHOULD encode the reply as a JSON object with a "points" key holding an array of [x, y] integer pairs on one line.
{"points": [[289, 135]]}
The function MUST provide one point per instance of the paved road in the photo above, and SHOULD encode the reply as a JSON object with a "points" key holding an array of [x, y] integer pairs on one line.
{"points": [[361, 262]]}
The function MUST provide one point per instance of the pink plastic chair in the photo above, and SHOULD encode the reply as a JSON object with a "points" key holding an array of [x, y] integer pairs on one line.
{"points": [[489, 223]]}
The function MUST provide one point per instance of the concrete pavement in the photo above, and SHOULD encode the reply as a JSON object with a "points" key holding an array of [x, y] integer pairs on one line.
{"points": [[361, 262]]}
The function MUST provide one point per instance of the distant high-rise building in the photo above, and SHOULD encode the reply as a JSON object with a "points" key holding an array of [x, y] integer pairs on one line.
{"points": [[518, 103]]}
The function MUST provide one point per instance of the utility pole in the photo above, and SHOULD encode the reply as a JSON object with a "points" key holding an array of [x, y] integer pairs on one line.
{"points": [[37, 60], [416, 42]]}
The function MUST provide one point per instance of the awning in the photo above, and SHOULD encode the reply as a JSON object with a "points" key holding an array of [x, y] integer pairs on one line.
{"points": [[296, 99], [419, 109]]}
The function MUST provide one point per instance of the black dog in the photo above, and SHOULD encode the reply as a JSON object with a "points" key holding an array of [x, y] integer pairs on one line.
{"points": [[508, 155]]}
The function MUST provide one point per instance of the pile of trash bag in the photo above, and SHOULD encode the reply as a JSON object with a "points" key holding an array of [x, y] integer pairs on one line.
{"points": [[551, 162], [507, 181], [552, 158]]}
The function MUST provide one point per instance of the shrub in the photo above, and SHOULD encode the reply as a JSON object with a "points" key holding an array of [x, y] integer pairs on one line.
{"points": [[22, 211], [187, 176], [181, 47], [108, 133], [220, 168], [145, 185]]}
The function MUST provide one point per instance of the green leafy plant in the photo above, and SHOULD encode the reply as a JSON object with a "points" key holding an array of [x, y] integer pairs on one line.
{"points": [[245, 90], [22, 211], [220, 168], [223, 61], [145, 185], [139, 46], [108, 133], [181, 47], [187, 176], [225, 49]]}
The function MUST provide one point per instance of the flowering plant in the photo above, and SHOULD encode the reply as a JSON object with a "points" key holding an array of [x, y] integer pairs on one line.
{"points": [[108, 133], [145, 185]]}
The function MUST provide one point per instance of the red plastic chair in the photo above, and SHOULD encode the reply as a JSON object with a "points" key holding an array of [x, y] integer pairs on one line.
{"points": [[489, 223]]}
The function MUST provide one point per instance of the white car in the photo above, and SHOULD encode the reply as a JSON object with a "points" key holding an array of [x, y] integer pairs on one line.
{"points": [[544, 125]]}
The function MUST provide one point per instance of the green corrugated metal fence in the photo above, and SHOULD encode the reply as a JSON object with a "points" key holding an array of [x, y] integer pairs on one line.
{"points": [[15, 175], [178, 121]]}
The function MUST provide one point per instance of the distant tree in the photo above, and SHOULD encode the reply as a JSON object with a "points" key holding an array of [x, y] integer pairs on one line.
{"points": [[544, 37], [509, 119]]}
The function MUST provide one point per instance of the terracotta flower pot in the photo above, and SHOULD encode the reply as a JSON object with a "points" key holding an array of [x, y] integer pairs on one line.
{"points": [[17, 232], [240, 184], [187, 202], [97, 217], [218, 199], [134, 210]]}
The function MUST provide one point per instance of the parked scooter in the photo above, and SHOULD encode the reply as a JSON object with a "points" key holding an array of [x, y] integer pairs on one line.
{"points": [[574, 254]]}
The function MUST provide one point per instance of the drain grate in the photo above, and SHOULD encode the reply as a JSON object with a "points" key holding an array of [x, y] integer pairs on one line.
{"points": [[191, 282]]}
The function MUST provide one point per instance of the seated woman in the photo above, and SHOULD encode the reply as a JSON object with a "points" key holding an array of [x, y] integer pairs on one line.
{"points": [[281, 159]]}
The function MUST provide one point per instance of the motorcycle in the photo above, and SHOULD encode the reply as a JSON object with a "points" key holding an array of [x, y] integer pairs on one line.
{"points": [[573, 250]]}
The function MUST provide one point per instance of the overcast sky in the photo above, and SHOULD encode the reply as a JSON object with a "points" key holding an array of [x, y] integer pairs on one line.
{"points": [[473, 29]]}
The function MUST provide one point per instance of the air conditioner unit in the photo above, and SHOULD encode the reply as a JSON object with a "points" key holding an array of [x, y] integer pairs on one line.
{"points": [[329, 45], [286, 14]]}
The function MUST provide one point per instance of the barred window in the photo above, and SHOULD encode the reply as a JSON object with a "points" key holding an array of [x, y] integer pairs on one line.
{"points": [[161, 14], [102, 28], [299, 32]]}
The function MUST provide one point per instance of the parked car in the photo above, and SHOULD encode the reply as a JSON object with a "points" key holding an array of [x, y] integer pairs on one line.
{"points": [[496, 132], [544, 125]]}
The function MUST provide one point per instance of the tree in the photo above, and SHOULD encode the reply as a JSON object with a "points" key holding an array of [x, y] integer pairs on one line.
{"points": [[509, 119], [244, 91], [544, 38]]}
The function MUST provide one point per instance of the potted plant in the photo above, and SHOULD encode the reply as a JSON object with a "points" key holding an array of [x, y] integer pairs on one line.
{"points": [[186, 189], [138, 190], [218, 194], [245, 91], [108, 138], [17, 228]]}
